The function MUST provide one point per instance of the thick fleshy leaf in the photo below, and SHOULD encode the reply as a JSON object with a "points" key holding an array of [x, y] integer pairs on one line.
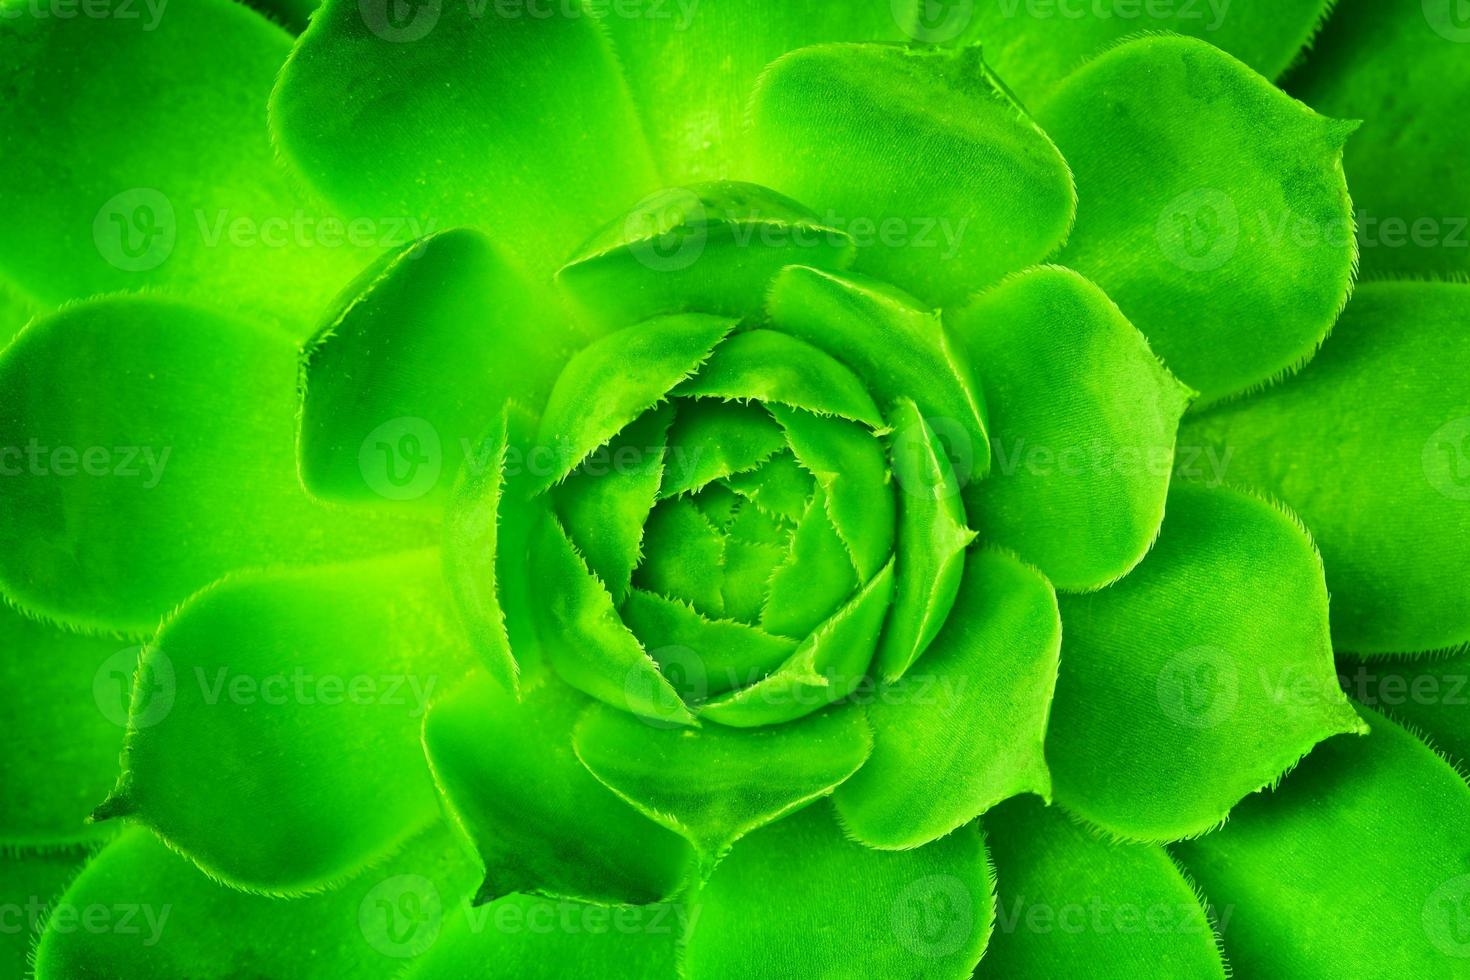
{"points": [[710, 248], [1072, 904], [618, 378], [701, 656], [958, 185], [65, 701], [125, 496], [161, 917], [932, 538], [1371, 446], [235, 753], [1201, 677], [714, 439], [1082, 423], [1431, 695], [899, 349], [1365, 845], [1214, 208], [813, 580], [1034, 44], [1386, 63], [467, 142], [779, 487], [140, 158], [408, 373], [830, 907], [684, 557], [539, 820], [714, 785], [30, 884], [963, 729]]}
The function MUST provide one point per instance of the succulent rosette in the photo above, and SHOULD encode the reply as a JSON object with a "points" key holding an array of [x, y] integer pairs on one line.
{"points": [[735, 489]]}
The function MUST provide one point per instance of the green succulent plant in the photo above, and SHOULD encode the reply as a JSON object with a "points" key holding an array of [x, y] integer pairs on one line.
{"points": [[718, 489]]}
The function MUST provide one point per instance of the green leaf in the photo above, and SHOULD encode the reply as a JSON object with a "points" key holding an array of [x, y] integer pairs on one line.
{"points": [[141, 912], [1072, 904], [710, 248], [897, 348], [65, 701], [141, 160], [538, 819], [618, 378], [815, 578], [1429, 695], [958, 186], [436, 115], [828, 907], [16, 310], [255, 698], [30, 884], [1359, 858], [714, 785], [1082, 423], [932, 538], [167, 463], [779, 486], [1200, 678], [963, 730], [409, 371], [1371, 446], [1214, 208], [1386, 63], [714, 439]]}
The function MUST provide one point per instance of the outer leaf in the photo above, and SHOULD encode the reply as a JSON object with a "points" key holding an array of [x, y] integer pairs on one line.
{"points": [[715, 785], [1198, 679], [1431, 696], [144, 464], [1365, 844], [958, 185], [1072, 905], [455, 144], [964, 728], [139, 157], [1214, 210], [236, 755], [1386, 63], [832, 908], [539, 821], [1082, 421], [1371, 445]]}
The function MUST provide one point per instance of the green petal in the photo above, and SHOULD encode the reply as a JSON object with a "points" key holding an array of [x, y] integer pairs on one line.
{"points": [[829, 907], [618, 378], [30, 884], [65, 701], [1386, 63], [161, 917], [1072, 904], [714, 439], [1359, 858], [715, 785], [899, 349], [171, 412], [964, 728], [538, 819], [1082, 422], [235, 753], [1371, 446], [711, 248], [1431, 696], [443, 115], [1198, 679], [1214, 208], [958, 186], [409, 371], [932, 539], [140, 159]]}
